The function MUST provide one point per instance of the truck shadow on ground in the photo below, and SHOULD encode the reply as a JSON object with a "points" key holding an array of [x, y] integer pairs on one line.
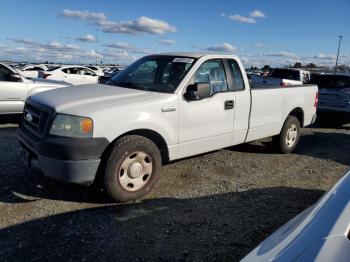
{"points": [[329, 146], [225, 227]]}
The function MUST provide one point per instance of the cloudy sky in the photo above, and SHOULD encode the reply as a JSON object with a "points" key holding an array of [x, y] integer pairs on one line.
{"points": [[260, 32]]}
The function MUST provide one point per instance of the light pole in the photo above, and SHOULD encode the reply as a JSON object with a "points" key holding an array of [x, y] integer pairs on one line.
{"points": [[336, 62], [96, 47]]}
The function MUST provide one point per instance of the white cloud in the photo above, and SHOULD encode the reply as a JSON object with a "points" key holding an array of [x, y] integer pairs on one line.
{"points": [[92, 54], [87, 38], [167, 42], [141, 25], [259, 45], [223, 14], [257, 14], [121, 56], [120, 45], [326, 57], [84, 15], [242, 19], [223, 47], [53, 45], [283, 54]]}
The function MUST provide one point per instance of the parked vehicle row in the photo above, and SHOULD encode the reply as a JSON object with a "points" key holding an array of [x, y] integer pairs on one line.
{"points": [[155, 111], [334, 96], [15, 88], [74, 75], [282, 77]]}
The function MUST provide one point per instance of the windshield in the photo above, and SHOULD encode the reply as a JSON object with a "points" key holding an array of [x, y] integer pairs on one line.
{"points": [[154, 73], [286, 74]]}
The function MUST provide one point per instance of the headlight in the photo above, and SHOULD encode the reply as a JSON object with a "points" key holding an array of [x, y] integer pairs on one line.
{"points": [[72, 126]]}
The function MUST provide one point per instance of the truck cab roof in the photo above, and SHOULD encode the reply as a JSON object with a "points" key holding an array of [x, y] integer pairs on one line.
{"points": [[198, 55]]}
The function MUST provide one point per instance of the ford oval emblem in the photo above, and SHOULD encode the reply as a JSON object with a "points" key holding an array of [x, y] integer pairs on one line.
{"points": [[29, 117]]}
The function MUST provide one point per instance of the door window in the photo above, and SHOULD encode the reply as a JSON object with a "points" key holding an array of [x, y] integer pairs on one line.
{"points": [[86, 72], [211, 72], [4, 73], [237, 78]]}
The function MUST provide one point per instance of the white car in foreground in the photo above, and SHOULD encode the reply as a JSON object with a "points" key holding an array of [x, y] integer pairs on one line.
{"points": [[320, 233], [75, 75], [15, 88], [32, 71]]}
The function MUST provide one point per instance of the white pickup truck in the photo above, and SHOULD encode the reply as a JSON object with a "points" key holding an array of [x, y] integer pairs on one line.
{"points": [[161, 108], [282, 77]]}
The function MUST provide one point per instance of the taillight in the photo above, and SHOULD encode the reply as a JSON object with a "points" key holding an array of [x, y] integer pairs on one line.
{"points": [[316, 99], [283, 84], [46, 75]]}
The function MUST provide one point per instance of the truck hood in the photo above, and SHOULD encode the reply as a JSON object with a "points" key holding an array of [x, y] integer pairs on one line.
{"points": [[87, 98]]}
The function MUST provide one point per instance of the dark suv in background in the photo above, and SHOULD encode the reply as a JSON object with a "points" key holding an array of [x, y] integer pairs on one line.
{"points": [[334, 96]]}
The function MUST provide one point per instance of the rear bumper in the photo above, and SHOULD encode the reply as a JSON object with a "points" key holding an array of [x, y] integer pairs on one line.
{"points": [[69, 159]]}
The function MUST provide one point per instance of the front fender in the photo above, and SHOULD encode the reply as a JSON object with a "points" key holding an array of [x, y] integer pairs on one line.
{"points": [[164, 124]]}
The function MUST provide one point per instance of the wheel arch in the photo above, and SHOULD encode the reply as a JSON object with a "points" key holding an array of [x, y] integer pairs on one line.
{"points": [[147, 133], [298, 112]]}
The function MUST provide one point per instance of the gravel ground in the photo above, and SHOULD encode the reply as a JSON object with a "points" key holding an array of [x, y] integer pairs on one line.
{"points": [[216, 206]]}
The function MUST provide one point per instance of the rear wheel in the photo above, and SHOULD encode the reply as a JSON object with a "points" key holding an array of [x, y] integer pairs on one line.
{"points": [[132, 168], [288, 139]]}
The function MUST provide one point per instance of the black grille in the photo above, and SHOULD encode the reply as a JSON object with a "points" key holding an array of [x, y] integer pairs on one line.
{"points": [[36, 118]]}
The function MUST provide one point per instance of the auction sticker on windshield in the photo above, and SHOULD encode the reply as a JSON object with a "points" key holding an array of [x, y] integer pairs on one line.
{"points": [[183, 60]]}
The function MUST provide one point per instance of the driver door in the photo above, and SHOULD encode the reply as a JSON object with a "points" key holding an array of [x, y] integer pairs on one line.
{"points": [[207, 124]]}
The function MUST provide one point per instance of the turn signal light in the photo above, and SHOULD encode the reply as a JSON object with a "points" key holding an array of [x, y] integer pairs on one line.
{"points": [[86, 125]]}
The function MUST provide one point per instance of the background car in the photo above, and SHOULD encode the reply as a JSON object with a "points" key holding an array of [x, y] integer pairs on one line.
{"points": [[282, 77], [15, 88], [106, 77], [334, 96], [320, 233], [97, 70], [75, 75], [32, 71]]}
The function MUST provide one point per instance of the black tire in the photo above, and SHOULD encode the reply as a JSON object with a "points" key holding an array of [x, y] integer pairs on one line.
{"points": [[123, 150], [284, 146]]}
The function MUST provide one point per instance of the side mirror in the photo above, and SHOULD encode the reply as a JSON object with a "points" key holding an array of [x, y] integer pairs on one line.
{"points": [[198, 91], [14, 77]]}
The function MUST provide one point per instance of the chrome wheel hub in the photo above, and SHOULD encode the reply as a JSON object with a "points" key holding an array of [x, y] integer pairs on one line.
{"points": [[292, 135], [135, 171]]}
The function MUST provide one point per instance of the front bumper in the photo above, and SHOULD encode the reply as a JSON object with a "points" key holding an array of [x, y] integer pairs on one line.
{"points": [[69, 159]]}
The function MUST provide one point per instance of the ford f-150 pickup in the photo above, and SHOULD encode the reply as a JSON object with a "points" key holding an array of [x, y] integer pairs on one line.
{"points": [[161, 108]]}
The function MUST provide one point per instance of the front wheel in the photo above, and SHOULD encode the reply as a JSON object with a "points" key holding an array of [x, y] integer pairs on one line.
{"points": [[288, 139], [132, 168]]}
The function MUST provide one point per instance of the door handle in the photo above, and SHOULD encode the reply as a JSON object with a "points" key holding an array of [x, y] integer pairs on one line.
{"points": [[229, 104]]}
